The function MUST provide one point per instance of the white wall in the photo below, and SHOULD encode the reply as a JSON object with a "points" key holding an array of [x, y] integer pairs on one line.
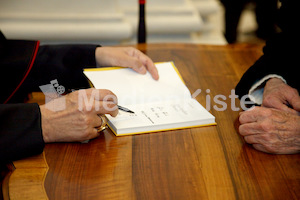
{"points": [[101, 21]]}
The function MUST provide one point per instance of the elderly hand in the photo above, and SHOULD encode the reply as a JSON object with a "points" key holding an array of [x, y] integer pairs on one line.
{"points": [[279, 95], [126, 57], [271, 130], [79, 119]]}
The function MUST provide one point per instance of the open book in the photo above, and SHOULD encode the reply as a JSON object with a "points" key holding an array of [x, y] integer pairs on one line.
{"points": [[160, 105]]}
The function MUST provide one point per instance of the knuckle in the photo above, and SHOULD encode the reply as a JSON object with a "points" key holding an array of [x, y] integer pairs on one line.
{"points": [[294, 92], [83, 121], [87, 121], [267, 112], [267, 100], [266, 126], [137, 63], [242, 118], [266, 138]]}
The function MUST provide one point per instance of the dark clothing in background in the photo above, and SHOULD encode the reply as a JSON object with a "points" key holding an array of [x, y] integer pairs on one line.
{"points": [[266, 15], [281, 53]]}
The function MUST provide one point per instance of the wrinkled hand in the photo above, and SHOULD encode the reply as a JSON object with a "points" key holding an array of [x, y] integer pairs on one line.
{"points": [[271, 130], [79, 118], [126, 57], [279, 95]]}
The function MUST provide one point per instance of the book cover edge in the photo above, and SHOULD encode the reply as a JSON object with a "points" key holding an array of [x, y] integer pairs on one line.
{"points": [[161, 130]]}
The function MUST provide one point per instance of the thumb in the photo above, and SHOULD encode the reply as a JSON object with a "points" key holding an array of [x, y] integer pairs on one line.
{"points": [[278, 103], [295, 103]]}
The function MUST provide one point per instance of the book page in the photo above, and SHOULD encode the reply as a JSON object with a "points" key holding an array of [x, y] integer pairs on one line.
{"points": [[133, 88], [161, 116]]}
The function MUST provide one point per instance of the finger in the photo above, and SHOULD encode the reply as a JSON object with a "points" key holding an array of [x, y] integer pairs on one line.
{"points": [[97, 121], [91, 104], [97, 94], [148, 63], [106, 107], [93, 134], [283, 99], [93, 130], [260, 147], [295, 102], [152, 69], [135, 64], [249, 129], [88, 135], [249, 116], [278, 104], [251, 139], [255, 114], [107, 95]]}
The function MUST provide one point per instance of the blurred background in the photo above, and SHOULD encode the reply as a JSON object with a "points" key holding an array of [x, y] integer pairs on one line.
{"points": [[113, 22]]}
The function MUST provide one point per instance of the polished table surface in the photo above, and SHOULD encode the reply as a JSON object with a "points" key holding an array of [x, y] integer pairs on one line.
{"points": [[200, 163]]}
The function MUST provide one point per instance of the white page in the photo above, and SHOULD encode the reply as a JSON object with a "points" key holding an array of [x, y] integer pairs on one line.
{"points": [[160, 116], [133, 88]]}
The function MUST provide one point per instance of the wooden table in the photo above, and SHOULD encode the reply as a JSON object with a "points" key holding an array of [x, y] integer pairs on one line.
{"points": [[199, 163]]}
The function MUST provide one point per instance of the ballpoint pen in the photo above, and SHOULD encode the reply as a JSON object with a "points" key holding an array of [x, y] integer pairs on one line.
{"points": [[125, 109]]}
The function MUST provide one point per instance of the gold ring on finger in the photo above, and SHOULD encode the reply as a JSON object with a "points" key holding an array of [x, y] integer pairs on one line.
{"points": [[103, 123]]}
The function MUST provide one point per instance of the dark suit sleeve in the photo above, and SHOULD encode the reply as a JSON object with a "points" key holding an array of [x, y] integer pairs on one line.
{"points": [[281, 55], [62, 62], [20, 131], [20, 125]]}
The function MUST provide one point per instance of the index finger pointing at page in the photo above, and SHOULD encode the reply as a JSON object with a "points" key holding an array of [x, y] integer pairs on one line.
{"points": [[152, 69], [148, 63]]}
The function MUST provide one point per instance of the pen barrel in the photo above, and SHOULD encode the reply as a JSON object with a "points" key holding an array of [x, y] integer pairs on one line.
{"points": [[142, 23]]}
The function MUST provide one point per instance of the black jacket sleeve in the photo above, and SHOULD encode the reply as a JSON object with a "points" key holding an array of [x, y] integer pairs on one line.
{"points": [[62, 62], [20, 124], [281, 54], [20, 131]]}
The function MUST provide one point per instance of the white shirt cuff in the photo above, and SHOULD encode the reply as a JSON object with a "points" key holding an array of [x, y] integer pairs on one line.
{"points": [[256, 91]]}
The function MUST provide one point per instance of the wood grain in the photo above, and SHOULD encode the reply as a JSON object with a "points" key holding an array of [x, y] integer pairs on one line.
{"points": [[200, 163], [27, 179]]}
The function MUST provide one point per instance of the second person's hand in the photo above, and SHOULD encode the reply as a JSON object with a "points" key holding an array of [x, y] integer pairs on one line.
{"points": [[279, 95]]}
